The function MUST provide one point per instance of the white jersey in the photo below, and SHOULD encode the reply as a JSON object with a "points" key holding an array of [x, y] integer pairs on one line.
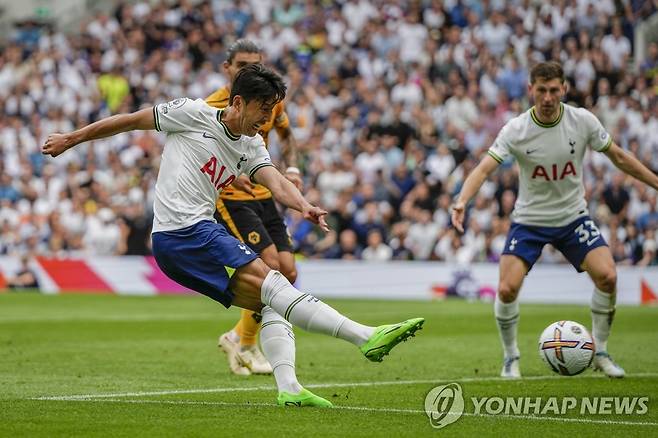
{"points": [[550, 157], [200, 158]]}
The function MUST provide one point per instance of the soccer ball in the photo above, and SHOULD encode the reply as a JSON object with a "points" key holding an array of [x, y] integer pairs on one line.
{"points": [[566, 347]]}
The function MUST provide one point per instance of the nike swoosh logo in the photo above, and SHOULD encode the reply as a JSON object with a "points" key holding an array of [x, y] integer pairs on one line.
{"points": [[530, 151], [589, 242], [206, 135]]}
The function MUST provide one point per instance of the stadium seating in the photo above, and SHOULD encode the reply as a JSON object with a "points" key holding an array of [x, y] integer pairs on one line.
{"points": [[392, 105]]}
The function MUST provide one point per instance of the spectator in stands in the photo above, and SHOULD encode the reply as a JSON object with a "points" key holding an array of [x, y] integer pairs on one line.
{"points": [[8, 188], [649, 67], [376, 250], [102, 233], [113, 87], [425, 85], [513, 79], [616, 46], [616, 196], [649, 219], [135, 227], [347, 248], [25, 278], [648, 251]]}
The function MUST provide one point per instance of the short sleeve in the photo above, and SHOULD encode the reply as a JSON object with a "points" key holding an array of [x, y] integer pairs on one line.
{"points": [[260, 159], [179, 115], [500, 150], [598, 138]]}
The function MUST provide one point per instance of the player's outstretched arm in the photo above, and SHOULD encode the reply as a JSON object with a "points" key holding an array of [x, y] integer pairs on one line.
{"points": [[289, 153], [287, 194], [630, 165], [471, 186], [57, 143]]}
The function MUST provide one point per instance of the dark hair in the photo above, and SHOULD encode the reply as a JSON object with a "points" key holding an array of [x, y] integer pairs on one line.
{"points": [[256, 81], [547, 71], [241, 46]]}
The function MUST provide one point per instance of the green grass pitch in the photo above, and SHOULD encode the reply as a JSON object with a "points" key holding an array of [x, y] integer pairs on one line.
{"points": [[149, 366]]}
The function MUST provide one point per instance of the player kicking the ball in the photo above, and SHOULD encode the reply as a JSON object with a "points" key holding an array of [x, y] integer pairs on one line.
{"points": [[549, 142], [249, 213], [205, 151]]}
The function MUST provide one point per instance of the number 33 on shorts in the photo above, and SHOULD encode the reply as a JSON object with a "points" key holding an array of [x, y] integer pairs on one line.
{"points": [[588, 232]]}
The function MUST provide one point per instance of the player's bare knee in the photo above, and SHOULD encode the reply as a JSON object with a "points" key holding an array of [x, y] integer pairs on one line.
{"points": [[248, 301], [256, 268], [263, 268], [607, 281], [507, 293]]}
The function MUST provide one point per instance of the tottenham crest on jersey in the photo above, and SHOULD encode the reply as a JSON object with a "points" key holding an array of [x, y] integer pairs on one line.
{"points": [[242, 158]]}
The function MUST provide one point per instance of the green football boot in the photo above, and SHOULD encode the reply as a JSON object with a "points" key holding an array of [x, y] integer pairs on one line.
{"points": [[388, 336], [304, 399]]}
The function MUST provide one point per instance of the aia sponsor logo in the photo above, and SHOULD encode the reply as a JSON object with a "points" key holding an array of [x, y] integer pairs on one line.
{"points": [[554, 172], [210, 168]]}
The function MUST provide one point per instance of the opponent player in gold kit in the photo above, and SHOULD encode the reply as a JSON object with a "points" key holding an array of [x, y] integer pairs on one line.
{"points": [[249, 213]]}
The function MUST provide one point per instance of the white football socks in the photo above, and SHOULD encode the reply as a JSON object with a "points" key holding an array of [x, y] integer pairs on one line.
{"points": [[603, 312], [309, 313], [278, 343], [507, 318]]}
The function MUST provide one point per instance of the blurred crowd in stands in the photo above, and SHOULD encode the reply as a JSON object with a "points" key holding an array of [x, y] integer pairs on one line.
{"points": [[392, 104]]}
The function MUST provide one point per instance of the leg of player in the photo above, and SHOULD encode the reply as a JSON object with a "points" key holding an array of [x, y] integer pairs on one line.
{"points": [[256, 285], [600, 266], [282, 349], [278, 342], [506, 308], [287, 266], [245, 351]]}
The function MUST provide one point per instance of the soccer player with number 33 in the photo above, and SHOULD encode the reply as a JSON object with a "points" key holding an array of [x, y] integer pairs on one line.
{"points": [[548, 142]]}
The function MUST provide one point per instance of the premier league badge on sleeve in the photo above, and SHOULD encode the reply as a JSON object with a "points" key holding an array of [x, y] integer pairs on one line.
{"points": [[176, 103]]}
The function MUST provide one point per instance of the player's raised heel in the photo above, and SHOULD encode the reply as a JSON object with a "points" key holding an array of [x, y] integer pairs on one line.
{"points": [[511, 369], [304, 399], [603, 362], [388, 336]]}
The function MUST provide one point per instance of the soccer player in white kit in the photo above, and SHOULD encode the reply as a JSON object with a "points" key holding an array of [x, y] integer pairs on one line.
{"points": [[206, 150], [549, 141]]}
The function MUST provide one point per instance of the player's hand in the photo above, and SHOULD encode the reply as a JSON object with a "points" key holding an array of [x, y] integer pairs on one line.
{"points": [[316, 215], [296, 179], [243, 183], [458, 216], [55, 144]]}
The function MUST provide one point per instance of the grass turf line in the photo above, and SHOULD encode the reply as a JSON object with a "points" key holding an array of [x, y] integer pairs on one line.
{"points": [[59, 345]]}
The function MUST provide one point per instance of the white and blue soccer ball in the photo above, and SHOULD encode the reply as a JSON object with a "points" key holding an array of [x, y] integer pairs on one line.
{"points": [[566, 347]]}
